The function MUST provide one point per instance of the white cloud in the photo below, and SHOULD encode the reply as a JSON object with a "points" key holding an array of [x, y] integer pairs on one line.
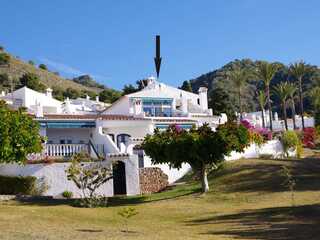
{"points": [[61, 67], [68, 70]]}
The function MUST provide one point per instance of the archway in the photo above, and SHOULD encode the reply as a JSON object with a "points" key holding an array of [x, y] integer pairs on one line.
{"points": [[119, 178]]}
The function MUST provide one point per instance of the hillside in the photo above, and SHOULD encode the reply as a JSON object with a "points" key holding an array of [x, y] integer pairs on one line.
{"points": [[218, 79], [16, 68]]}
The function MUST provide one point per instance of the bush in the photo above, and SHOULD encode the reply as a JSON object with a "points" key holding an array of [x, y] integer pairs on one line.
{"points": [[256, 138], [309, 137], [67, 194], [32, 81], [290, 141], [43, 66], [1, 48], [93, 202], [4, 58], [18, 185]]}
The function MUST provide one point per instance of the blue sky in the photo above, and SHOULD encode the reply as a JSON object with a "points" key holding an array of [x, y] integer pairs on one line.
{"points": [[114, 40]]}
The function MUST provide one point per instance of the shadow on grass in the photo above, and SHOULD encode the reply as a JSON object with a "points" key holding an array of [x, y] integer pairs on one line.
{"points": [[172, 193], [175, 193], [281, 223], [89, 230], [267, 175]]}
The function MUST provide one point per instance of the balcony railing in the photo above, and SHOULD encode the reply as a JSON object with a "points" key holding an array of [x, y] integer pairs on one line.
{"points": [[65, 150]]}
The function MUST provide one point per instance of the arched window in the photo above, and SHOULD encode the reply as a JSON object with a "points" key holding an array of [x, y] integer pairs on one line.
{"points": [[122, 138]]}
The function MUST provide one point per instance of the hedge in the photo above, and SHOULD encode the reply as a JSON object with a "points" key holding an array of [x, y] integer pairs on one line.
{"points": [[18, 185]]}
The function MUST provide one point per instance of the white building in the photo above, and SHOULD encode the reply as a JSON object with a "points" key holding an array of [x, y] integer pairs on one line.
{"points": [[255, 118], [81, 125]]}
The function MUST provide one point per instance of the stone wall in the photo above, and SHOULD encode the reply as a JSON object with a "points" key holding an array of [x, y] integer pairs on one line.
{"points": [[152, 179]]}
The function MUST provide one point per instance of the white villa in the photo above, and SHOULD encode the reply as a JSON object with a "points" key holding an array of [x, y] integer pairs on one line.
{"points": [[107, 131]]}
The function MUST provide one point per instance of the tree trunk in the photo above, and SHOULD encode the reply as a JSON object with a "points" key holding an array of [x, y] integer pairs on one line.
{"points": [[240, 104], [204, 179], [284, 109], [293, 109], [262, 116], [269, 107], [301, 102]]}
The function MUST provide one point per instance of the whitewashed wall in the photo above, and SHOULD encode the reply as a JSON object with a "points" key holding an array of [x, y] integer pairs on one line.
{"points": [[55, 177], [76, 135], [273, 147]]}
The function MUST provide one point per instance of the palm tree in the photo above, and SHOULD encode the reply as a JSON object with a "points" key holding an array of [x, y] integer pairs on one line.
{"points": [[315, 97], [239, 77], [292, 88], [266, 71], [262, 103], [298, 70], [282, 91]]}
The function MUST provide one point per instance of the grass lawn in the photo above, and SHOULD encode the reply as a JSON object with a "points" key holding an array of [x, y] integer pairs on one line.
{"points": [[247, 201]]}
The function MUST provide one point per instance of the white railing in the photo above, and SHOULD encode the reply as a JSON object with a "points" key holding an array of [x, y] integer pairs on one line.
{"points": [[64, 150]]}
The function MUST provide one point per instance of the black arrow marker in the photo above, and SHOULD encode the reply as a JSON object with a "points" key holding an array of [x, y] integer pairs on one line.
{"points": [[157, 59]]}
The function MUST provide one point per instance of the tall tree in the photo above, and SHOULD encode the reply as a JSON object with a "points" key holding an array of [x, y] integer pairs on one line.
{"points": [[298, 70], [19, 135], [127, 89], [220, 102], [315, 97], [262, 104], [282, 91], [186, 86], [202, 148], [265, 72], [240, 77], [292, 88]]}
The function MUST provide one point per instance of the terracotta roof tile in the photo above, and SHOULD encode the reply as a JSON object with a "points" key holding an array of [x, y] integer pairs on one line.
{"points": [[90, 116]]}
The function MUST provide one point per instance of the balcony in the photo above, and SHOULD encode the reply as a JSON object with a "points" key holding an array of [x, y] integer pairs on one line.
{"points": [[65, 150]]}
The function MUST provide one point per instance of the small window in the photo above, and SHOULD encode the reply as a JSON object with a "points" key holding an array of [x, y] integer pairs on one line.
{"points": [[141, 159], [198, 101], [69, 141], [62, 141]]}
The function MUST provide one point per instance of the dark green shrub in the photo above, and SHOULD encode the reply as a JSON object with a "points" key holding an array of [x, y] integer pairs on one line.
{"points": [[18, 185], [43, 66], [32, 81], [4, 58], [67, 194]]}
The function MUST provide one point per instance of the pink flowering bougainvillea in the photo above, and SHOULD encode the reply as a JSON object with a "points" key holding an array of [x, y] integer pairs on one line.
{"points": [[266, 133], [309, 137]]}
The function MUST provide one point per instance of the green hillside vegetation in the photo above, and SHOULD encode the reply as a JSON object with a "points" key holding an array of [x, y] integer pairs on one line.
{"points": [[17, 73], [220, 84]]}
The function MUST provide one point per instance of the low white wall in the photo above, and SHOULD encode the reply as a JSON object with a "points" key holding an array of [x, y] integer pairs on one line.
{"points": [[55, 177], [272, 147]]}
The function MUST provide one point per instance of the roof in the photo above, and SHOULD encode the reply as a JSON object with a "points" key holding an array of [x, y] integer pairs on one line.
{"points": [[157, 89], [90, 117]]}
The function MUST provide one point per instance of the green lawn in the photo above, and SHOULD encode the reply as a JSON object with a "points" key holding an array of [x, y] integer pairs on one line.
{"points": [[247, 201]]}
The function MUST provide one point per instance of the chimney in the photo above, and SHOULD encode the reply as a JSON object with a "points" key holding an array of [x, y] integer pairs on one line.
{"points": [[87, 97], [97, 98], [203, 98], [49, 92]]}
